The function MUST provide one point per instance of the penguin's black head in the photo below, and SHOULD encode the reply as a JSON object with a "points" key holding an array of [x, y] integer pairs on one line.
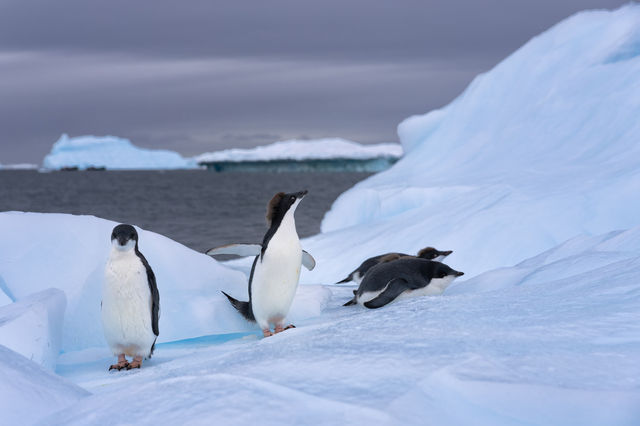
{"points": [[443, 271], [124, 237], [281, 203], [431, 253]]}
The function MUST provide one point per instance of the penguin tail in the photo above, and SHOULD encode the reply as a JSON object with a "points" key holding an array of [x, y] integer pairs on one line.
{"points": [[346, 280], [243, 307]]}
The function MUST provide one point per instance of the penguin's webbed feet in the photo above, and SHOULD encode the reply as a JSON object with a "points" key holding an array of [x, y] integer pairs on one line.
{"points": [[280, 328], [136, 363], [267, 333], [122, 363]]}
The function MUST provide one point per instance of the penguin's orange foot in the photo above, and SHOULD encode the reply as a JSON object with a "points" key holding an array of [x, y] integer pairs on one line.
{"points": [[136, 363], [267, 333], [119, 366], [278, 329]]}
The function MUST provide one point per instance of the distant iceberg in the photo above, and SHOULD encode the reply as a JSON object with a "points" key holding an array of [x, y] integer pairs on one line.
{"points": [[110, 152], [19, 166], [331, 154]]}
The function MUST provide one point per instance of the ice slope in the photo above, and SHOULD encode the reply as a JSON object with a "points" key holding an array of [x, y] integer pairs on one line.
{"points": [[110, 152], [29, 393], [68, 252], [554, 340], [318, 149], [543, 147], [32, 326]]}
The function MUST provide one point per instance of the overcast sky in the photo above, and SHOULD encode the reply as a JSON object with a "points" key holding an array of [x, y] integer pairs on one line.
{"points": [[197, 76]]}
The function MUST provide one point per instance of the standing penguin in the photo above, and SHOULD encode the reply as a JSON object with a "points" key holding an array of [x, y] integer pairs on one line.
{"points": [[130, 301], [276, 268], [406, 277], [428, 253]]}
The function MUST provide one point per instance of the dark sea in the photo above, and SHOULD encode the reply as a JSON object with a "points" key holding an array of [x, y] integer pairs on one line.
{"points": [[198, 208]]}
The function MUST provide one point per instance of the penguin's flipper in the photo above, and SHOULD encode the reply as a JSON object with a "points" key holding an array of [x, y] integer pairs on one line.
{"points": [[243, 250], [308, 261], [394, 288]]}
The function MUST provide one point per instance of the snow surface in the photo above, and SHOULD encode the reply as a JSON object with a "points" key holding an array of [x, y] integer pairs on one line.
{"points": [[543, 147], [110, 152], [552, 340], [69, 252], [318, 149], [32, 326], [29, 393]]}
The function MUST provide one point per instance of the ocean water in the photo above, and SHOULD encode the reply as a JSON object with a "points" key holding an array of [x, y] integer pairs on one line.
{"points": [[197, 208]]}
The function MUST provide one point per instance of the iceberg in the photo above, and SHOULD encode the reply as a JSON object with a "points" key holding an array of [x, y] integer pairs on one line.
{"points": [[317, 149], [110, 152], [331, 154], [539, 149], [19, 166], [32, 326]]}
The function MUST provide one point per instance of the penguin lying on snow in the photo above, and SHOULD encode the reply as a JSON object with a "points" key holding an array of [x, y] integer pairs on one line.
{"points": [[276, 268], [405, 277], [130, 301], [428, 253]]}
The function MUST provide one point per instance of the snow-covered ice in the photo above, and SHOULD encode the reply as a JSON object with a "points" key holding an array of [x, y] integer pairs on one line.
{"points": [[32, 326], [29, 393], [557, 343], [531, 176], [543, 147], [316, 149], [112, 153]]}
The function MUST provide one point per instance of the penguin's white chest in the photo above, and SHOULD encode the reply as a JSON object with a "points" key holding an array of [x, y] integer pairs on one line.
{"points": [[126, 305], [275, 278]]}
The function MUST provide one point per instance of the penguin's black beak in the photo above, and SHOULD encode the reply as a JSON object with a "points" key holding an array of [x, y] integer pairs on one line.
{"points": [[122, 240], [301, 194], [459, 274], [445, 253]]}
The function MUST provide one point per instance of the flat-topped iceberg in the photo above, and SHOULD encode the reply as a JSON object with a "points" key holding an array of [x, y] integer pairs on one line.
{"points": [[332, 154], [110, 152], [298, 150]]}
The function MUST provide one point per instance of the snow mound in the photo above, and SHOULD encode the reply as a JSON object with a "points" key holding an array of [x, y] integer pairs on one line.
{"points": [[30, 393], [69, 253], [541, 148], [319, 149], [110, 152], [32, 326]]}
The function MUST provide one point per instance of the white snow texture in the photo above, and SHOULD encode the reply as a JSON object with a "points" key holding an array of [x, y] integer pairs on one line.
{"points": [[531, 176]]}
